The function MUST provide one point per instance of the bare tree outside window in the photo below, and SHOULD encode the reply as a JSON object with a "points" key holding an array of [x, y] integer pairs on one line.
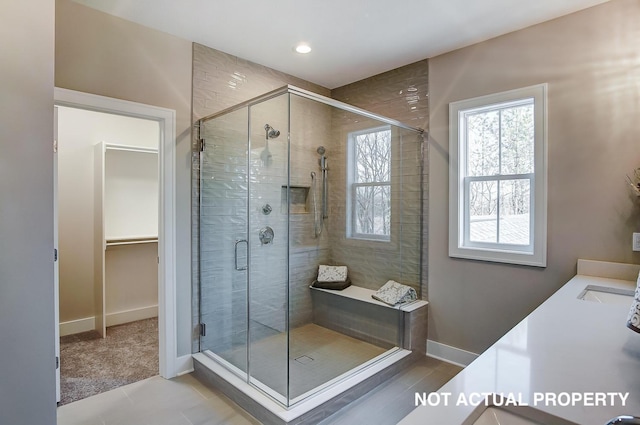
{"points": [[371, 183], [500, 160], [498, 177]]}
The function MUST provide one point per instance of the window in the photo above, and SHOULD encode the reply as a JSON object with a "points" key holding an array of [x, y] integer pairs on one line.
{"points": [[369, 184], [497, 181]]}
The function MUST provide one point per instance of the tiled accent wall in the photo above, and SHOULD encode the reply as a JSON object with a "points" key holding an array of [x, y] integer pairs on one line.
{"points": [[219, 82], [372, 263], [310, 128], [401, 94], [224, 219], [378, 325]]}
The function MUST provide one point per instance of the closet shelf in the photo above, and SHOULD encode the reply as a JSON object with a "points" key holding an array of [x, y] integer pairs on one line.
{"points": [[131, 240], [139, 149]]}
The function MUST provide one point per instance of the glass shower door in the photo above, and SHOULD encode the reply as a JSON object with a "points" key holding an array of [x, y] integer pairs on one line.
{"points": [[268, 246], [223, 239], [244, 182]]}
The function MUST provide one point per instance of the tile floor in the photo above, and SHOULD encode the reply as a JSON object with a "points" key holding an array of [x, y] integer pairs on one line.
{"points": [[185, 401], [316, 355]]}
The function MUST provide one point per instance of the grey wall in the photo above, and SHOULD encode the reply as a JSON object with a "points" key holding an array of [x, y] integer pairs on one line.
{"points": [[27, 374], [101, 54], [591, 62]]}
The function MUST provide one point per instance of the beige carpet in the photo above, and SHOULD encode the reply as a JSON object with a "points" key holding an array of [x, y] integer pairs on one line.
{"points": [[90, 365]]}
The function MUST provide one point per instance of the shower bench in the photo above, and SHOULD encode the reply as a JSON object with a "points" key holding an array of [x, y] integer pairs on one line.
{"points": [[352, 311]]}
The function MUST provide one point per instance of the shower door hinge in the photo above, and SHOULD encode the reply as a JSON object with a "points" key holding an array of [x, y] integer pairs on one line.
{"points": [[57, 362], [203, 329], [55, 254], [202, 145]]}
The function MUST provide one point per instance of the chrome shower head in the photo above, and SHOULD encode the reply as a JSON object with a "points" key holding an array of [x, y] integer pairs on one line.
{"points": [[321, 150], [271, 132]]}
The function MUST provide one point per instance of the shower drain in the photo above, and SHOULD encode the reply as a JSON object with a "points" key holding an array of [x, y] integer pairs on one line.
{"points": [[304, 359]]}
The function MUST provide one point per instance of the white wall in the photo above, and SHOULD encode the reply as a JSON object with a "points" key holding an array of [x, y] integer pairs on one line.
{"points": [[27, 374], [131, 194], [78, 132]]}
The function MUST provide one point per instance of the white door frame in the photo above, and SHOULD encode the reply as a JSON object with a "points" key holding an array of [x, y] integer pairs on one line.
{"points": [[167, 213], [56, 263]]}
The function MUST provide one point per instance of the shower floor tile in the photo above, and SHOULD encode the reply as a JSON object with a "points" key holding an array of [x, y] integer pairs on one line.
{"points": [[316, 356]]}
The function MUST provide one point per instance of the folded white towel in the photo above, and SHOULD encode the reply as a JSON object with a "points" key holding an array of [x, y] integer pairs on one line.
{"points": [[393, 293], [332, 273], [633, 322]]}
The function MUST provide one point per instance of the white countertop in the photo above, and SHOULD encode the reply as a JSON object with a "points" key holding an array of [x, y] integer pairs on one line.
{"points": [[566, 345]]}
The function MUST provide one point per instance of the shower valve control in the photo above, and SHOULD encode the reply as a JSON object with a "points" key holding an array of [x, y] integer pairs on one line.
{"points": [[266, 209], [266, 235]]}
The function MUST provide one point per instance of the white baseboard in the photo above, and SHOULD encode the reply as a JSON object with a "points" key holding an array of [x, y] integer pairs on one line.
{"points": [[184, 365], [127, 316], [450, 354], [76, 326], [89, 323]]}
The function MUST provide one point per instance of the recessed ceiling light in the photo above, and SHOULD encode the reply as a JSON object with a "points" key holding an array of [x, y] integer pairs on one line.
{"points": [[302, 48]]}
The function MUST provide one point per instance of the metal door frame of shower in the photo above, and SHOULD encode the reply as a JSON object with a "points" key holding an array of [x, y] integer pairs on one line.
{"points": [[313, 96]]}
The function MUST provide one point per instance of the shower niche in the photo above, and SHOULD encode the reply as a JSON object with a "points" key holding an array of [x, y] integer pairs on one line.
{"points": [[295, 199], [262, 168]]}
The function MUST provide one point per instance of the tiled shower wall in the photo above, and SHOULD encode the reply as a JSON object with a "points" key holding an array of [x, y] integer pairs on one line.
{"points": [[372, 263], [219, 82], [401, 94]]}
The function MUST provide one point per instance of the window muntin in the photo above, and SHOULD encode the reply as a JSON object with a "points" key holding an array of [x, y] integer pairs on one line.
{"points": [[370, 184], [499, 174], [498, 177]]}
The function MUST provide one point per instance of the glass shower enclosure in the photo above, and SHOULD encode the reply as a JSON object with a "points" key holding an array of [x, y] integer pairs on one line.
{"points": [[273, 206]]}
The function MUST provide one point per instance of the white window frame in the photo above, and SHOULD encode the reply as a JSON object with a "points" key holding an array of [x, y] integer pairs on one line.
{"points": [[351, 187], [534, 254]]}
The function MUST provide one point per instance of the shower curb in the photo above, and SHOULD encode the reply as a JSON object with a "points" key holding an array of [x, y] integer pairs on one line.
{"points": [[316, 412]]}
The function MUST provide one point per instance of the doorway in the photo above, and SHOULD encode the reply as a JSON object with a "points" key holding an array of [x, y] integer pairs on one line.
{"points": [[162, 254], [107, 205]]}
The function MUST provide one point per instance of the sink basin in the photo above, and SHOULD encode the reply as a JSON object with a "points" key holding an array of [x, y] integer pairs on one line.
{"points": [[510, 414], [606, 295]]}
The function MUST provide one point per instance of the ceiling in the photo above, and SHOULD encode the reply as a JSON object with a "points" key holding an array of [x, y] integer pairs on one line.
{"points": [[351, 39]]}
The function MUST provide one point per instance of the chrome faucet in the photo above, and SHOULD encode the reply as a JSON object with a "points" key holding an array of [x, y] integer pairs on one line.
{"points": [[624, 420]]}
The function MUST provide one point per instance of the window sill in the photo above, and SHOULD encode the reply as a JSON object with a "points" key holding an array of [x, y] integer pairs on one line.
{"points": [[371, 243], [500, 256], [363, 238]]}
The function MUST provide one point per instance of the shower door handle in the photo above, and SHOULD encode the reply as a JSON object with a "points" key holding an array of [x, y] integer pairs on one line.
{"points": [[238, 241]]}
